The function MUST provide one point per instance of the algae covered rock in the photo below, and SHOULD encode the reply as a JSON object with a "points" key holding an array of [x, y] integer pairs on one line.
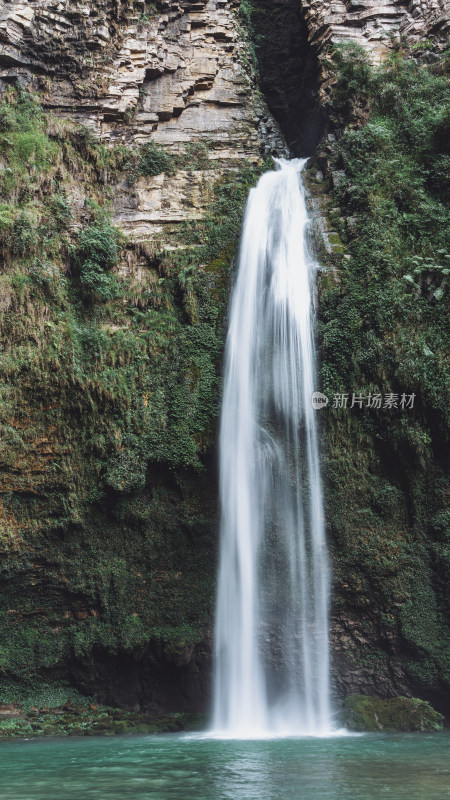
{"points": [[90, 720], [362, 713]]}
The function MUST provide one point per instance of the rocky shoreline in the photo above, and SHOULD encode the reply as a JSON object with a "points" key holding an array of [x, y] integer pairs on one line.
{"points": [[360, 714], [90, 720]]}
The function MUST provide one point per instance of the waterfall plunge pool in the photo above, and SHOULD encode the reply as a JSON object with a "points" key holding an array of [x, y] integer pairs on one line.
{"points": [[196, 767]]}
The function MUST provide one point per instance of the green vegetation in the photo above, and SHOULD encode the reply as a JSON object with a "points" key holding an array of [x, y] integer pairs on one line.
{"points": [[383, 329], [392, 194], [109, 395], [88, 719], [368, 714], [95, 254], [26, 696], [153, 160]]}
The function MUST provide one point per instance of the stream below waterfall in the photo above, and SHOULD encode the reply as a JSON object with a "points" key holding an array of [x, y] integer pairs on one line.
{"points": [[192, 767]]}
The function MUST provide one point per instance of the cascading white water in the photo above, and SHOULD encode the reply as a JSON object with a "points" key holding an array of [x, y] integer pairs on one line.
{"points": [[271, 651]]}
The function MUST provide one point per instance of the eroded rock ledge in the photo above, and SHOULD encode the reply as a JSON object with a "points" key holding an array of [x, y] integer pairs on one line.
{"points": [[370, 22], [177, 74]]}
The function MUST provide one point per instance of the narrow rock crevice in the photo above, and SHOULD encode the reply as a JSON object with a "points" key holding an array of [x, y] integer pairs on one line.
{"points": [[288, 68]]}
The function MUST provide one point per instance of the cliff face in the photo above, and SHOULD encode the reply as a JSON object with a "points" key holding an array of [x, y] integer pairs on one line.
{"points": [[130, 135], [385, 463], [112, 346], [370, 23], [175, 72], [378, 173]]}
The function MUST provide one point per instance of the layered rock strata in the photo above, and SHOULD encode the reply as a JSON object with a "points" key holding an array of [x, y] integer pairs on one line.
{"points": [[371, 23], [177, 74]]}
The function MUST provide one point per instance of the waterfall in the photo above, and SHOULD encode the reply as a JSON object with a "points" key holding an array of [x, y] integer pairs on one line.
{"points": [[271, 648]]}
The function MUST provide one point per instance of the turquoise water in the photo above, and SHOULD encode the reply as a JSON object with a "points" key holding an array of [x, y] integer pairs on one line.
{"points": [[177, 767]]}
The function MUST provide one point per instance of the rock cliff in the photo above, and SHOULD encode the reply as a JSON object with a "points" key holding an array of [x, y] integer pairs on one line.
{"points": [[370, 24], [152, 115], [149, 117], [176, 73]]}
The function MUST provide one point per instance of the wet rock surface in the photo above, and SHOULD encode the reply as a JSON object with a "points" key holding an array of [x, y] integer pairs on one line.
{"points": [[90, 720], [371, 23], [398, 714]]}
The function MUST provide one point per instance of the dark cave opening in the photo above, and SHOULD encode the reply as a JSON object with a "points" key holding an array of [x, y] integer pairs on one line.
{"points": [[288, 69]]}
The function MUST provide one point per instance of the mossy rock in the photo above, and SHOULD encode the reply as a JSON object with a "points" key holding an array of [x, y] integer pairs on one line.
{"points": [[96, 722], [68, 720], [121, 727], [54, 730], [142, 727], [362, 713], [79, 711], [76, 731], [194, 722], [15, 727], [104, 726]]}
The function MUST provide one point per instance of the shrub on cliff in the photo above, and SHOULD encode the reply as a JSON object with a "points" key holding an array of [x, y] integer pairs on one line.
{"points": [[153, 160], [351, 63], [95, 255]]}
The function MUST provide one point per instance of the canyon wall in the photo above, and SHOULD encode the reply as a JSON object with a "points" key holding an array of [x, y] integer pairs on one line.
{"points": [[370, 24], [152, 115], [149, 119]]}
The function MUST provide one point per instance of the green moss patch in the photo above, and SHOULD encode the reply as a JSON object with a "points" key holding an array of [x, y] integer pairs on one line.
{"points": [[383, 329], [92, 721], [366, 714], [109, 396]]}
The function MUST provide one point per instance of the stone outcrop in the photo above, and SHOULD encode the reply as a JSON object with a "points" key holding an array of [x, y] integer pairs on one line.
{"points": [[370, 23], [180, 72], [397, 714], [178, 75]]}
